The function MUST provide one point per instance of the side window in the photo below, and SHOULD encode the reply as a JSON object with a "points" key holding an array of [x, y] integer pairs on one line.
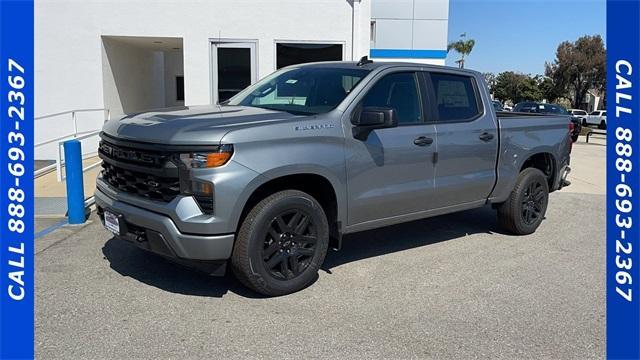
{"points": [[400, 92], [456, 98]]}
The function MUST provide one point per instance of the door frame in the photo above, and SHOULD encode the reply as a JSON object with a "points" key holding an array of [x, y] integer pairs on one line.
{"points": [[214, 44]]}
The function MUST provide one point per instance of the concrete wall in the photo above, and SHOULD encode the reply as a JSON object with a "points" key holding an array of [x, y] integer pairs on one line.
{"points": [[133, 78], [416, 27], [173, 67], [69, 50], [69, 70]]}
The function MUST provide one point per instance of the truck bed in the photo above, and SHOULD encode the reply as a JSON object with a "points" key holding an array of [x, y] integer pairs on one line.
{"points": [[522, 133]]}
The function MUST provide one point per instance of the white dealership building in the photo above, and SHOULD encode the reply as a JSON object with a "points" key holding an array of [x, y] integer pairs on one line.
{"points": [[129, 56]]}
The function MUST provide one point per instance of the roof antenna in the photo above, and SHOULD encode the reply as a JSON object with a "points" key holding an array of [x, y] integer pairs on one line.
{"points": [[364, 61]]}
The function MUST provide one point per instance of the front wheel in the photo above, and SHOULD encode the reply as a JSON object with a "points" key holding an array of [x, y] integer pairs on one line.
{"points": [[281, 244], [524, 210]]}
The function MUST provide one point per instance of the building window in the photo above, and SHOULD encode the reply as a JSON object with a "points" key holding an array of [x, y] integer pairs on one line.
{"points": [[291, 54], [179, 88]]}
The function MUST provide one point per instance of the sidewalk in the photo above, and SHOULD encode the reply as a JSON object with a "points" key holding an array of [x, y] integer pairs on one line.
{"points": [[51, 195]]}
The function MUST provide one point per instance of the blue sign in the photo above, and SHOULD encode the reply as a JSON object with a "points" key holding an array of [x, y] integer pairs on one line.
{"points": [[623, 155], [16, 180]]}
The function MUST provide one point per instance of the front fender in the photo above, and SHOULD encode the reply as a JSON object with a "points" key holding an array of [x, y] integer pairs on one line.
{"points": [[281, 150], [338, 184]]}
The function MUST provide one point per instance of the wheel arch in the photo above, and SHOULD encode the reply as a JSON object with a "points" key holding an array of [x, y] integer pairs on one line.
{"points": [[545, 162], [511, 164], [325, 189]]}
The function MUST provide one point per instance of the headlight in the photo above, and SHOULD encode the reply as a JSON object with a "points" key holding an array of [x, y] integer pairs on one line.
{"points": [[211, 159]]}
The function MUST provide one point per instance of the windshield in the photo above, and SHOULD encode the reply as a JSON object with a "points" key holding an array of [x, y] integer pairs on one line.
{"points": [[305, 90]]}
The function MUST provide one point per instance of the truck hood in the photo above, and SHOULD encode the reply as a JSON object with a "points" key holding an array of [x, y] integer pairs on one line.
{"points": [[194, 125]]}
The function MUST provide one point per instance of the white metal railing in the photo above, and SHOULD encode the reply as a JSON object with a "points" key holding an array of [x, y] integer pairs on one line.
{"points": [[59, 163]]}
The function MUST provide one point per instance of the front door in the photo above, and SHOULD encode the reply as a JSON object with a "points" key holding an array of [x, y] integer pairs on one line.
{"points": [[391, 173], [234, 68], [467, 141]]}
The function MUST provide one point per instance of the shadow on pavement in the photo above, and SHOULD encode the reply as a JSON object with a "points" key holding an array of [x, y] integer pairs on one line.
{"points": [[156, 271], [390, 239]]}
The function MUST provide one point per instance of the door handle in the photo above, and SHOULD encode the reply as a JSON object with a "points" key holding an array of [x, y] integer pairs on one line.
{"points": [[423, 141], [485, 136]]}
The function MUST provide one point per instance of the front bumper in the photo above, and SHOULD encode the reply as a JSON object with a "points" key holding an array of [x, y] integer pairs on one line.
{"points": [[159, 234]]}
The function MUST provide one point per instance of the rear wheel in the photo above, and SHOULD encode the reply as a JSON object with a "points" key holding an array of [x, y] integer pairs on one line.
{"points": [[603, 125], [524, 210], [281, 244]]}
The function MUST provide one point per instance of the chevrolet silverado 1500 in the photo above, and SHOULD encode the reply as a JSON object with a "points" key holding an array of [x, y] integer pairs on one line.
{"points": [[271, 179]]}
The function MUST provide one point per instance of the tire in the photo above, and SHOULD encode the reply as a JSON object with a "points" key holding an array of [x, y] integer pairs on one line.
{"points": [[275, 252], [575, 137], [603, 125], [521, 214]]}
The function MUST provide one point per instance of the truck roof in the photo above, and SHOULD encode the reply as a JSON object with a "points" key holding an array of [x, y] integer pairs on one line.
{"points": [[379, 64]]}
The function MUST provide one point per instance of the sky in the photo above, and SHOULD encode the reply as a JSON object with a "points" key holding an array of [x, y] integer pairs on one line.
{"points": [[520, 35]]}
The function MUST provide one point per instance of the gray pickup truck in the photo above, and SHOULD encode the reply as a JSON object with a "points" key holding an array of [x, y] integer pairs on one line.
{"points": [[271, 179]]}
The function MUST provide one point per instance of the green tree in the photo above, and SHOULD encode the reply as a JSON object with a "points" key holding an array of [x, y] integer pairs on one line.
{"points": [[463, 47], [516, 87], [551, 91], [579, 67], [490, 79]]}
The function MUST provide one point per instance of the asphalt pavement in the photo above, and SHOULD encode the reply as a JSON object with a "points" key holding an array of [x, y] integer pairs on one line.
{"points": [[450, 287]]}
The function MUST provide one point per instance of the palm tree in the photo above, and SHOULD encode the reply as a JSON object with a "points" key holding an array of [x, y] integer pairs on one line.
{"points": [[463, 47]]}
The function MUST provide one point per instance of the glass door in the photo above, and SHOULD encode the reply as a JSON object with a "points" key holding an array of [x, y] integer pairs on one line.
{"points": [[233, 68]]}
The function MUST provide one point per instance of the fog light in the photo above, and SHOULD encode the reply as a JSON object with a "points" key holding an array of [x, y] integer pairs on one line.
{"points": [[203, 194], [201, 188]]}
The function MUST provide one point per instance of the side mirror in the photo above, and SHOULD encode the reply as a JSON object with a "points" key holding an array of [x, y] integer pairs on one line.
{"points": [[370, 118]]}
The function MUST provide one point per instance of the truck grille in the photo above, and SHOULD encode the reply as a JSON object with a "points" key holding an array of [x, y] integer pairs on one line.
{"points": [[132, 156], [141, 184]]}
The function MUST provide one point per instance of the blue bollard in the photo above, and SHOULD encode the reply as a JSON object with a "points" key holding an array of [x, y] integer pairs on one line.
{"points": [[75, 185]]}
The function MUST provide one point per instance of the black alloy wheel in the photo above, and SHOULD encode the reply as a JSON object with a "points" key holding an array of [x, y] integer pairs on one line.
{"points": [[524, 209], [533, 203], [289, 244], [281, 243]]}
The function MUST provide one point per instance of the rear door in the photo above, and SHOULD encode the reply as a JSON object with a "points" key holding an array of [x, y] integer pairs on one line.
{"points": [[467, 140]]}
